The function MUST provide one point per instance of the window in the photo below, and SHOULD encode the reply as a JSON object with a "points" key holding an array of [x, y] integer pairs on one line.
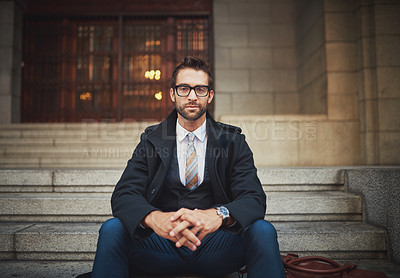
{"points": [[105, 68]]}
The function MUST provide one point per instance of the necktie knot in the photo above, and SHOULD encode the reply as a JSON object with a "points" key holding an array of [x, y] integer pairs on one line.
{"points": [[191, 137]]}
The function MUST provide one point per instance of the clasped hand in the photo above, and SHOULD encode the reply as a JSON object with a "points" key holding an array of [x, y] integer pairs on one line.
{"points": [[185, 227]]}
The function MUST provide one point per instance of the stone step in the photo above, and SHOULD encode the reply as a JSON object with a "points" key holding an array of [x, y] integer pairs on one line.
{"points": [[97, 162], [337, 240], [84, 125], [95, 207], [68, 269], [49, 180], [39, 135], [77, 241], [35, 269], [313, 206], [76, 133], [86, 151], [102, 180], [27, 143], [73, 130]]}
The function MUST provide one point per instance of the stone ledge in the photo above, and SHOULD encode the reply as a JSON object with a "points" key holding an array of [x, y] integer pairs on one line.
{"points": [[36, 177], [330, 237], [69, 240], [299, 175], [64, 269], [77, 207], [87, 177]]}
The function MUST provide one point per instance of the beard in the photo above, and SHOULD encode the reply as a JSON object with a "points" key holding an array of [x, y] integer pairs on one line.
{"points": [[188, 115]]}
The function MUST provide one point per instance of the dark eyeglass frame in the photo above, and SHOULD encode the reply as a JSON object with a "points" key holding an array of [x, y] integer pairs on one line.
{"points": [[192, 88]]}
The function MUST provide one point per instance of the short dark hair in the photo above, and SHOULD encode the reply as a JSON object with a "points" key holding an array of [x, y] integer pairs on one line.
{"points": [[196, 64]]}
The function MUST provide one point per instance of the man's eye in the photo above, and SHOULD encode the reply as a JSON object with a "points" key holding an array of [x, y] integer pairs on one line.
{"points": [[201, 89], [184, 89]]}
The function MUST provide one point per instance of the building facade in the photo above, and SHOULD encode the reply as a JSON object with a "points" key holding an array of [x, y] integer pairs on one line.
{"points": [[311, 82]]}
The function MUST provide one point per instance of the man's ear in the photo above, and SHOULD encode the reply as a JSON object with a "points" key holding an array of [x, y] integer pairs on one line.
{"points": [[171, 94], [211, 96]]}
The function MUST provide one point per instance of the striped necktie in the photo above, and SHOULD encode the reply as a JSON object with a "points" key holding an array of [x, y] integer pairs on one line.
{"points": [[191, 163]]}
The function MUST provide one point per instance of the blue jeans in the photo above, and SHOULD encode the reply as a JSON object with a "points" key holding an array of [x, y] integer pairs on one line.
{"points": [[220, 253]]}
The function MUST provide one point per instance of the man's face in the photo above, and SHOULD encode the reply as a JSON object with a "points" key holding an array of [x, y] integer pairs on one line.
{"points": [[191, 107]]}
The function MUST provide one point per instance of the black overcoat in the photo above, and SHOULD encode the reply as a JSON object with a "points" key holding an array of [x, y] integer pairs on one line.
{"points": [[232, 173]]}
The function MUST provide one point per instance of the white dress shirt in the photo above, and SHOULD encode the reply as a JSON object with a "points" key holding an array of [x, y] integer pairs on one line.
{"points": [[200, 144]]}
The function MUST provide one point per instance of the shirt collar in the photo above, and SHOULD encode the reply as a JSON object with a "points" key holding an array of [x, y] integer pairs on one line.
{"points": [[200, 132]]}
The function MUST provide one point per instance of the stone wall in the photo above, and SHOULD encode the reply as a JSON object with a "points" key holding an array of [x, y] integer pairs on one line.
{"points": [[255, 57], [10, 57], [311, 57], [345, 66], [380, 190], [299, 140], [378, 42], [340, 30], [333, 58]]}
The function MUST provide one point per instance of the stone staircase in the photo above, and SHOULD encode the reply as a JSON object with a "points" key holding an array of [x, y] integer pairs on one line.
{"points": [[55, 193], [55, 214], [68, 145]]}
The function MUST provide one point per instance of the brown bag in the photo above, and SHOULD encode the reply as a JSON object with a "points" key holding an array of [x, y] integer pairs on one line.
{"points": [[319, 267]]}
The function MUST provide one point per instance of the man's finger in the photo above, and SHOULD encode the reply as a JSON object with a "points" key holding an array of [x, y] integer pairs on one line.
{"points": [[201, 235], [189, 238], [187, 221], [179, 228], [179, 213], [192, 217]]}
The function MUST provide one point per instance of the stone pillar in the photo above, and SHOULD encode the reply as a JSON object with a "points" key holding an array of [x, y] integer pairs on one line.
{"points": [[367, 84], [387, 41], [342, 100], [378, 43], [11, 20], [311, 57]]}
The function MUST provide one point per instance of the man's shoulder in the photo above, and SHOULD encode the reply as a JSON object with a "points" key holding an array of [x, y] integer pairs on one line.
{"points": [[150, 128]]}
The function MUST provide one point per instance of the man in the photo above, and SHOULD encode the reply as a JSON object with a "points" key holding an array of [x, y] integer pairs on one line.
{"points": [[189, 200]]}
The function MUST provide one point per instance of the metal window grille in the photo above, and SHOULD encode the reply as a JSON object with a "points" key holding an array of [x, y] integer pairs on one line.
{"points": [[105, 68]]}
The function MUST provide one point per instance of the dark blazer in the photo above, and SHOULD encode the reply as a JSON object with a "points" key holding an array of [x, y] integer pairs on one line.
{"points": [[232, 173]]}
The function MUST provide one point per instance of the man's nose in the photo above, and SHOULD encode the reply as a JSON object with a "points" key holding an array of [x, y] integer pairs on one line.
{"points": [[192, 94]]}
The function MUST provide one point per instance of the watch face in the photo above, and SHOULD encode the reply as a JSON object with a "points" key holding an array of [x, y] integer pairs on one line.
{"points": [[223, 211]]}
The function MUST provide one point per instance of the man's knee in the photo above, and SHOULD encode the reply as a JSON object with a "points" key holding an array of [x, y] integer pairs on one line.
{"points": [[112, 227], [262, 229]]}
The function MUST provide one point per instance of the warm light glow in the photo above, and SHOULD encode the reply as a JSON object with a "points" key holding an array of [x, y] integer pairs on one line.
{"points": [[86, 96], [152, 43], [153, 74], [158, 96]]}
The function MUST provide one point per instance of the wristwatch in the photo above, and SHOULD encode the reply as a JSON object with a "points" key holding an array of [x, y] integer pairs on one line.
{"points": [[223, 212]]}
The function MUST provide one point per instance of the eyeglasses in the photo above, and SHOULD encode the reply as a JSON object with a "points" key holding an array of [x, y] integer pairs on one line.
{"points": [[199, 90]]}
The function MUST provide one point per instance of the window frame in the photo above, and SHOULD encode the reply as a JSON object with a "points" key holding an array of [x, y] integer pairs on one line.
{"points": [[67, 98]]}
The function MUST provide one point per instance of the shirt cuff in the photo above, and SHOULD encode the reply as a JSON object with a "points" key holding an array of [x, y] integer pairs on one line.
{"points": [[231, 225]]}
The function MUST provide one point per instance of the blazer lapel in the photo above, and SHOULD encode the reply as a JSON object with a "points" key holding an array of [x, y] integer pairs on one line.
{"points": [[213, 155], [163, 139]]}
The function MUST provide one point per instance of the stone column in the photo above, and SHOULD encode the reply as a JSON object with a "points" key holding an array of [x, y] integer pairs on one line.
{"points": [[367, 84], [342, 101], [11, 20], [379, 81], [387, 41], [311, 57]]}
